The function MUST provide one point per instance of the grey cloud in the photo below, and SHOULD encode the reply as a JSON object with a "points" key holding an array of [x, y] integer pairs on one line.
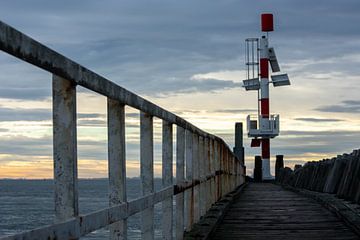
{"points": [[39, 114], [92, 123], [319, 133], [91, 115], [348, 106], [188, 86], [155, 50], [11, 114], [25, 93], [235, 110], [318, 119], [133, 115]]}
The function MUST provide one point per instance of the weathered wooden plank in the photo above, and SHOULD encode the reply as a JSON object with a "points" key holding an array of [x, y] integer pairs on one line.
{"points": [[167, 178], [266, 211], [147, 172], [196, 157], [65, 149], [202, 159], [180, 176], [189, 204], [117, 163]]}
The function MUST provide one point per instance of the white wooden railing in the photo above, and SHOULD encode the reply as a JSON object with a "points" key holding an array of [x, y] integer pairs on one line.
{"points": [[206, 169]]}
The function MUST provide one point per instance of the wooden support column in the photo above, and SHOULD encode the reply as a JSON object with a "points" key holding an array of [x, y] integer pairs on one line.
{"points": [[65, 149], [239, 147], [217, 170], [180, 177], [278, 165], [206, 174], [117, 164], [189, 204], [221, 170], [196, 175], [258, 169], [167, 179], [147, 172], [202, 160], [212, 172]]}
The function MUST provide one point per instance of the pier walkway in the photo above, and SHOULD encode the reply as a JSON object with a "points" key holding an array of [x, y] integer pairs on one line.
{"points": [[209, 175], [267, 211]]}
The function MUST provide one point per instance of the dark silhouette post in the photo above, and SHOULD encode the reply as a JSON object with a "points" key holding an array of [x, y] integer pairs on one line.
{"points": [[239, 146], [278, 165], [258, 169]]}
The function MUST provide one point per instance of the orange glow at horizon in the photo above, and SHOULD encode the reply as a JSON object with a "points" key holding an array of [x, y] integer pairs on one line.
{"points": [[43, 169]]}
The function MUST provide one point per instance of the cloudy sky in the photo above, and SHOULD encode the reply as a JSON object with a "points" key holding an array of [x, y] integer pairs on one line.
{"points": [[188, 57]]}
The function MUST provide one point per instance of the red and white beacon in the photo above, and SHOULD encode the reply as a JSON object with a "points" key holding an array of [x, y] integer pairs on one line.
{"points": [[263, 126]]}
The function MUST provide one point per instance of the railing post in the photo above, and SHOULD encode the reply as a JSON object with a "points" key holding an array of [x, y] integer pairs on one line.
{"points": [[202, 160], [116, 166], [167, 179], [189, 205], [212, 172], [258, 169], [180, 177], [278, 165], [217, 170], [239, 147], [147, 172], [221, 169], [65, 149], [196, 176], [206, 174]]}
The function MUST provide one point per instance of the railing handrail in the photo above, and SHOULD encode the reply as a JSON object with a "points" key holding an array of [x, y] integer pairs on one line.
{"points": [[212, 169]]}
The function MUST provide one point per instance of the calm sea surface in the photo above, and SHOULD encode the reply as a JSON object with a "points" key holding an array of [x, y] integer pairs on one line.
{"points": [[28, 204]]}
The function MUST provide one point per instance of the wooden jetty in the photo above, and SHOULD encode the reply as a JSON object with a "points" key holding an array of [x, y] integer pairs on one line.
{"points": [[267, 211]]}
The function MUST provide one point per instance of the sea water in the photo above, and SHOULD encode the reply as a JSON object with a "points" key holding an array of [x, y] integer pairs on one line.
{"points": [[29, 204]]}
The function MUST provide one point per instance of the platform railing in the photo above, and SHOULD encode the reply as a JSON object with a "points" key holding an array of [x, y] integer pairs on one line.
{"points": [[206, 168]]}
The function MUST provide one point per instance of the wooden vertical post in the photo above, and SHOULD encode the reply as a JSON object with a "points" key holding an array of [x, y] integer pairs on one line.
{"points": [[206, 174], [278, 165], [65, 149], [239, 147], [189, 205], [220, 170], [202, 160], [217, 170], [258, 169], [117, 163], [147, 172], [212, 172], [180, 177], [167, 179], [196, 176]]}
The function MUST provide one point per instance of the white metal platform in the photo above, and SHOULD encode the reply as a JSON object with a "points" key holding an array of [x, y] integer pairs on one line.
{"points": [[263, 127]]}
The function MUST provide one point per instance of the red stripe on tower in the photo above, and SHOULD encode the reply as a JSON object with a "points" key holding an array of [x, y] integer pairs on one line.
{"points": [[265, 111], [265, 148], [264, 68]]}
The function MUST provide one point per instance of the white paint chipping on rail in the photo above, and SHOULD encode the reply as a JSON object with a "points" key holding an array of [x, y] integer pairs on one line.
{"points": [[147, 172], [167, 179], [189, 177], [117, 164], [65, 149], [195, 168], [180, 177]]}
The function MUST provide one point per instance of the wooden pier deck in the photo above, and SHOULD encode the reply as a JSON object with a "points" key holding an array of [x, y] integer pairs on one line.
{"points": [[267, 211]]}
